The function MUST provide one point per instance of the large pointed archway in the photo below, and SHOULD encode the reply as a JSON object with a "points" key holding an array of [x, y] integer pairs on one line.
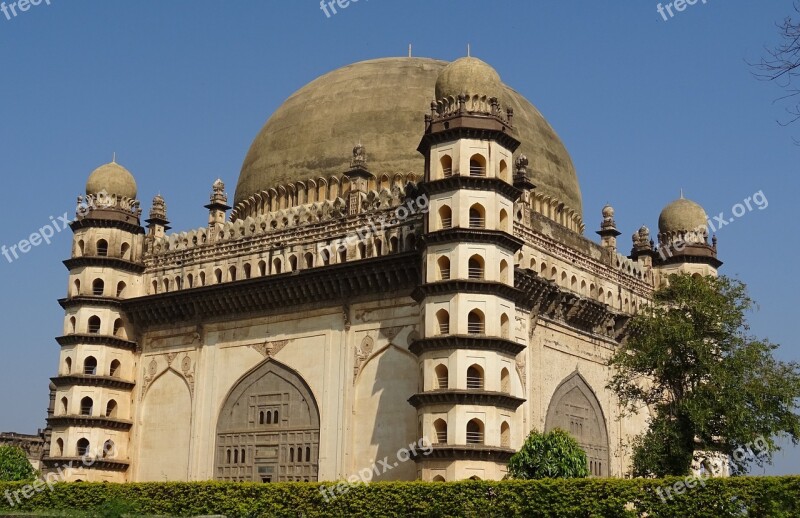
{"points": [[268, 429], [575, 408]]}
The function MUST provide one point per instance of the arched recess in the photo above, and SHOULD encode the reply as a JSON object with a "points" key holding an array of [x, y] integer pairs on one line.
{"points": [[385, 383], [166, 430], [575, 408], [270, 387]]}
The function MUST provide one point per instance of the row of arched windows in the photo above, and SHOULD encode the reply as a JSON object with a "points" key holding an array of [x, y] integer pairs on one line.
{"points": [[476, 323], [477, 167], [99, 288], [236, 456], [101, 249], [477, 218], [475, 378], [268, 417], [83, 447], [476, 269], [87, 407], [94, 325], [474, 432], [278, 265], [90, 367]]}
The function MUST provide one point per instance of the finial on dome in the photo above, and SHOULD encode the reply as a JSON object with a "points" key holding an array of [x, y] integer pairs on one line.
{"points": [[114, 157], [682, 194], [468, 51]]}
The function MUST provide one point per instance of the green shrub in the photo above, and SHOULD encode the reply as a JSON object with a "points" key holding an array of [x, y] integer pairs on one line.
{"points": [[591, 497], [555, 454], [14, 465]]}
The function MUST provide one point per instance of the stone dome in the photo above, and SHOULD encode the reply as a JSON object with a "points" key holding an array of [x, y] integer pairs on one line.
{"points": [[682, 215], [382, 103], [468, 76], [113, 179]]}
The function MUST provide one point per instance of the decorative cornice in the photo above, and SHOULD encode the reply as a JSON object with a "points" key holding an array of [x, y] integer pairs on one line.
{"points": [[85, 380], [106, 423], [474, 235], [131, 225], [474, 183], [465, 452], [104, 262], [81, 462], [335, 283], [469, 342], [468, 286], [91, 300], [465, 397], [96, 339]]}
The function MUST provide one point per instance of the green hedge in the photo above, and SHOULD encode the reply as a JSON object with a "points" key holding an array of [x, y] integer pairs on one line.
{"points": [[602, 498]]}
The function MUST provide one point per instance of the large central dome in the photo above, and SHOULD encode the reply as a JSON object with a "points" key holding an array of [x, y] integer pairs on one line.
{"points": [[382, 103]]}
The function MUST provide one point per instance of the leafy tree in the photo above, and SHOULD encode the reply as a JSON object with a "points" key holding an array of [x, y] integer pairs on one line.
{"points": [[709, 384], [781, 65], [14, 465], [549, 455]]}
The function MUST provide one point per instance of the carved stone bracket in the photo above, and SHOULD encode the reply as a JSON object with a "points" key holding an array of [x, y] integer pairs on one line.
{"points": [[270, 349], [362, 353]]}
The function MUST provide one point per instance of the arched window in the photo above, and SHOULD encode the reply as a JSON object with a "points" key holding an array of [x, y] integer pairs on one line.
{"points": [[276, 265], [190, 280], [166, 285], [119, 328], [261, 417], [476, 267], [64, 406], [218, 275], [90, 366], [87, 405], [232, 273], [445, 217], [362, 250], [113, 369], [477, 216], [98, 286], [269, 417], [291, 454], [68, 365], [505, 435], [438, 478], [275, 419], [504, 171], [82, 447], [505, 327], [111, 409], [446, 166], [108, 449], [81, 248], [378, 247], [247, 270], [77, 288], [573, 283], [243, 456], [94, 324], [504, 272], [154, 289], [236, 456], [475, 377], [583, 288], [72, 324], [443, 264], [293, 263], [59, 448], [394, 245], [475, 432], [202, 278], [125, 251], [440, 427], [178, 282], [308, 454], [441, 376], [504, 220], [411, 242], [262, 268], [476, 322], [102, 248], [121, 288], [505, 381], [443, 321], [309, 260], [228, 456], [477, 165]]}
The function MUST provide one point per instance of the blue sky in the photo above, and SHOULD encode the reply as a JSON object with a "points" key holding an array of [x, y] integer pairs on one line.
{"points": [[179, 89]]}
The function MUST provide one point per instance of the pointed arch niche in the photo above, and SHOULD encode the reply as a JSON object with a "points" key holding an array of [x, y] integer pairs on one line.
{"points": [[283, 448], [575, 408]]}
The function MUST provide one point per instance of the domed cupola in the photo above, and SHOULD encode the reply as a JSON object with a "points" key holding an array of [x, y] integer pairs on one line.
{"points": [[682, 216], [110, 179], [683, 234], [468, 76]]}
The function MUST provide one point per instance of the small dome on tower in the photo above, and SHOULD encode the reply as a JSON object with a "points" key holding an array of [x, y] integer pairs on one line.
{"points": [[608, 211], [468, 76], [682, 215], [113, 179]]}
